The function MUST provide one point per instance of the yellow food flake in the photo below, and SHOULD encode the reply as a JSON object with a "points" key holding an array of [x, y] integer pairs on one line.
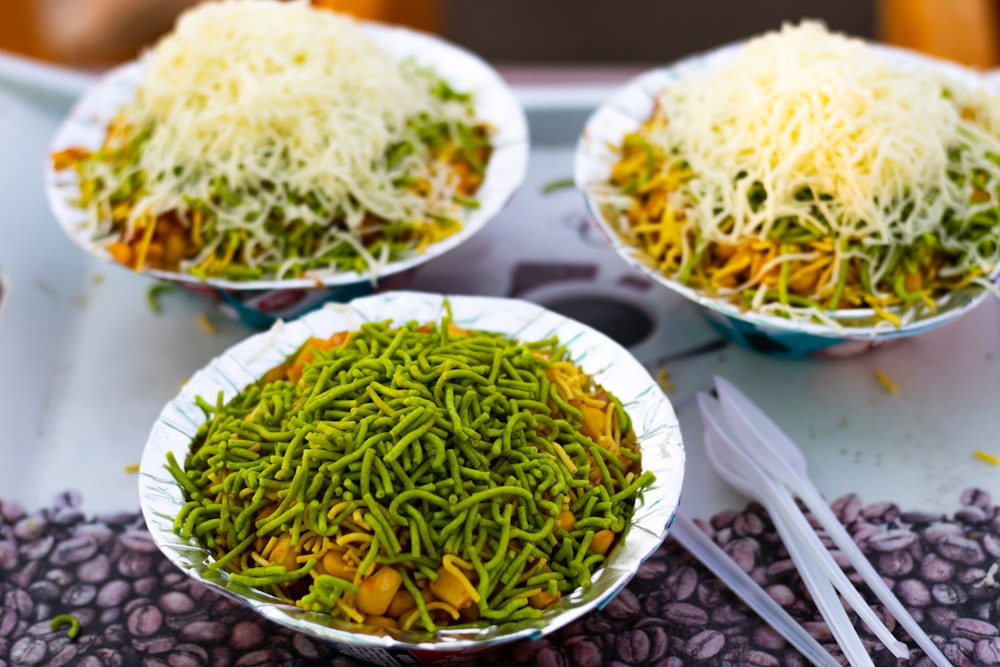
{"points": [[148, 224], [888, 384], [992, 459], [132, 467], [663, 379], [207, 325]]}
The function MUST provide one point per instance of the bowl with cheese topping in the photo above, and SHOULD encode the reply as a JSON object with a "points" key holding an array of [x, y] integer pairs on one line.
{"points": [[268, 146], [811, 192]]}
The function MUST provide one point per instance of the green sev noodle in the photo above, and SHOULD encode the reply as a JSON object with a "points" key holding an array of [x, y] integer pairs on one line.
{"points": [[429, 443]]}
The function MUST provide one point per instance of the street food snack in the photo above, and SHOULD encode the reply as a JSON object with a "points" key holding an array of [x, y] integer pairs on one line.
{"points": [[270, 140], [411, 477], [805, 173]]}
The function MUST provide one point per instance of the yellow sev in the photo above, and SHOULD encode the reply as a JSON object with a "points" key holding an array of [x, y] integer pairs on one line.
{"points": [[986, 457], [147, 223], [886, 383]]}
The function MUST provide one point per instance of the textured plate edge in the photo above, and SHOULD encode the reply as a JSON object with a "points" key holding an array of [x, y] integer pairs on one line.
{"points": [[662, 448]]}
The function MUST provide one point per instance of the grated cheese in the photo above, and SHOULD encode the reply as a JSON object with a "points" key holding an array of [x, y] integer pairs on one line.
{"points": [[277, 101], [803, 112]]}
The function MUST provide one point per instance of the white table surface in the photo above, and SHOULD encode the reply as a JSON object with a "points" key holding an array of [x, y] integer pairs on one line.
{"points": [[85, 365]]}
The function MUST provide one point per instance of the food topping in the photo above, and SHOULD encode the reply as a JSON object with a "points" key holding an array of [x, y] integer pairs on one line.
{"points": [[809, 173]]}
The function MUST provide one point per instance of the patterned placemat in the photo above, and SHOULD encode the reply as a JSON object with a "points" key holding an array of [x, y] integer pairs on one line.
{"points": [[136, 608]]}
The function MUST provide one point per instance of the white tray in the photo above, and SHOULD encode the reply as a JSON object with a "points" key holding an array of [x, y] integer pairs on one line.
{"points": [[86, 366]]}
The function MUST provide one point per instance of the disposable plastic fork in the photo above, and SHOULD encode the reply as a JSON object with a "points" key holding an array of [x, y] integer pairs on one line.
{"points": [[743, 474], [715, 559], [785, 502], [778, 455]]}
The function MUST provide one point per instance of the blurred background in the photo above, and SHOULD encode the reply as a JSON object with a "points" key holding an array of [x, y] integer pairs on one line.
{"points": [[566, 34]]}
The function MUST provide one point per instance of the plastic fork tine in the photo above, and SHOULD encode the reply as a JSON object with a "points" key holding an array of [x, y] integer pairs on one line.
{"points": [[772, 448]]}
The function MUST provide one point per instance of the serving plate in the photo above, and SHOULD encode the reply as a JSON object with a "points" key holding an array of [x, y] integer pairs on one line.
{"points": [[495, 103], [633, 103], [611, 365]]}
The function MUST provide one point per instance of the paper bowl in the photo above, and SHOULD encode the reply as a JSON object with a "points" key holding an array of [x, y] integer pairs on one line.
{"points": [[611, 365], [86, 123], [855, 330]]}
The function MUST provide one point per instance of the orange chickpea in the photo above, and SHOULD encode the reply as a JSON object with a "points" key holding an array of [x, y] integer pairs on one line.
{"points": [[449, 588], [333, 563], [602, 541], [122, 253], [402, 602], [566, 520], [378, 590]]}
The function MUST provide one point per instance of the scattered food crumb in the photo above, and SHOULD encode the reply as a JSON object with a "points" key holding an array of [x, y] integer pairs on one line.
{"points": [[97, 279], [47, 289], [663, 379], [888, 384], [992, 459], [67, 619], [132, 467], [207, 325], [153, 296], [557, 184]]}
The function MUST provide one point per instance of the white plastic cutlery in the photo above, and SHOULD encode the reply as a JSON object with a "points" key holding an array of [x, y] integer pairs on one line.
{"points": [[721, 452], [818, 570], [718, 561], [773, 450]]}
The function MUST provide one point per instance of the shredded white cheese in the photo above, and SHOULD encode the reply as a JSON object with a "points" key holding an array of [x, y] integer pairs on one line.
{"points": [[805, 109], [277, 98]]}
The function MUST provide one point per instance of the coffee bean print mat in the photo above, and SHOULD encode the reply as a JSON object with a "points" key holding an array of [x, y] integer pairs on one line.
{"points": [[136, 608]]}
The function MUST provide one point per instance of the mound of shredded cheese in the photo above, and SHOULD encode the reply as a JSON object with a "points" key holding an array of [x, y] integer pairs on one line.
{"points": [[275, 102], [803, 110]]}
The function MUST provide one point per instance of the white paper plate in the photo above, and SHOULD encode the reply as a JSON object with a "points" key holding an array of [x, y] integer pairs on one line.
{"points": [[611, 365], [633, 104], [494, 101]]}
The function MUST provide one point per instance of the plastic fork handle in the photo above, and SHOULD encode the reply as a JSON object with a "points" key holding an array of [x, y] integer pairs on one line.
{"points": [[728, 450], [823, 594], [817, 505], [740, 472], [770, 445], [786, 512], [718, 562]]}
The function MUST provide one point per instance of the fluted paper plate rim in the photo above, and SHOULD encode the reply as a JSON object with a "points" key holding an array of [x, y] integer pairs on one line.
{"points": [[611, 365]]}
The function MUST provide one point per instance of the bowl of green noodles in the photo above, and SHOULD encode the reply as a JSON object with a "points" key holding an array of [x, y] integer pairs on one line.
{"points": [[416, 472]]}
